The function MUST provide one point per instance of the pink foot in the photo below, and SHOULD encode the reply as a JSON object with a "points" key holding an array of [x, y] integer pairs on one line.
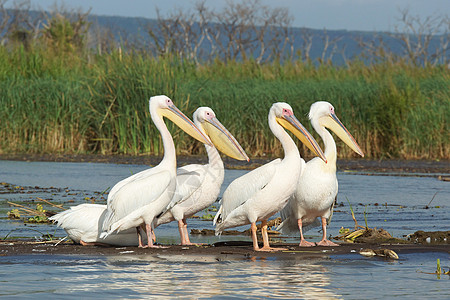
{"points": [[270, 249], [154, 247], [327, 243], [83, 243], [192, 244], [305, 243], [159, 247]]}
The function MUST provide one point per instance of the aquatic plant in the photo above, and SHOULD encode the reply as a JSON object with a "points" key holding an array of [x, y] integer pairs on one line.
{"points": [[13, 214], [73, 103]]}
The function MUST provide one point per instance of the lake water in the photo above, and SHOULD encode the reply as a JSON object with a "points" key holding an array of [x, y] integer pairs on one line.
{"points": [[395, 203]]}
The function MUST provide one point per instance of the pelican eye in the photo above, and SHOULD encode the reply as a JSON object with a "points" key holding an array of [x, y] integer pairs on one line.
{"points": [[287, 112]]}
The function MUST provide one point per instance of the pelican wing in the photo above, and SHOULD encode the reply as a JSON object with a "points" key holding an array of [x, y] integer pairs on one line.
{"points": [[81, 222], [123, 182], [135, 194], [244, 187], [189, 180], [83, 217]]}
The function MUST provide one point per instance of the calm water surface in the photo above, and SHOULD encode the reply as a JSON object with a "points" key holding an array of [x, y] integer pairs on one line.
{"points": [[392, 202]]}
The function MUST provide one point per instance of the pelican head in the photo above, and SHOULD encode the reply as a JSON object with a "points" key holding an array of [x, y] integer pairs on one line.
{"points": [[164, 107], [322, 114], [206, 120], [284, 116]]}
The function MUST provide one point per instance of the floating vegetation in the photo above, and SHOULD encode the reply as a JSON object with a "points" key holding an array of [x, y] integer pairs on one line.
{"points": [[13, 214], [208, 214], [439, 270], [32, 210], [367, 235], [207, 217], [40, 218], [387, 253], [38, 215], [361, 234]]}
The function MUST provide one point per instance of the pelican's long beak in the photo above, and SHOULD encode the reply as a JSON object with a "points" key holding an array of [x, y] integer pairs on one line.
{"points": [[292, 124], [180, 119], [333, 123], [223, 139]]}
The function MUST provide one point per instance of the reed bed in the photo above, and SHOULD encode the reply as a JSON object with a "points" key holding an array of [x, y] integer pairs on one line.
{"points": [[87, 103]]}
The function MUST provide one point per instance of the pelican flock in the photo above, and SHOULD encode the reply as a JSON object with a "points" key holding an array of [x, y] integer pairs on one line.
{"points": [[198, 186], [135, 201], [259, 194], [317, 186], [300, 191]]}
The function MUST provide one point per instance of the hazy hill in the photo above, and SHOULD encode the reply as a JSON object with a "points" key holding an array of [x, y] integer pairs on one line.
{"points": [[343, 44]]}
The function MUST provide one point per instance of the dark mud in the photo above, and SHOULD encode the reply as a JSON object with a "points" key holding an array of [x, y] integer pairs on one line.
{"points": [[361, 165], [220, 250], [430, 237]]}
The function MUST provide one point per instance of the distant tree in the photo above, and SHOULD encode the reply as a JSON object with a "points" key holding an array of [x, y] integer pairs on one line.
{"points": [[420, 41], [239, 31], [416, 36], [66, 31], [19, 28]]}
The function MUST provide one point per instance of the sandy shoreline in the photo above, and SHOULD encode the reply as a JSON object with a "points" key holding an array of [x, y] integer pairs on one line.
{"points": [[217, 251]]}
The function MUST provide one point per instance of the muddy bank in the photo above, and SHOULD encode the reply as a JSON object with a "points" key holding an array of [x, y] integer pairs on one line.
{"points": [[220, 250], [388, 166]]}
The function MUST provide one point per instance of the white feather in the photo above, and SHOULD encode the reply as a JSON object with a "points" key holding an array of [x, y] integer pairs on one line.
{"points": [[261, 193], [198, 186], [145, 190], [84, 222], [138, 199], [245, 187], [317, 186]]}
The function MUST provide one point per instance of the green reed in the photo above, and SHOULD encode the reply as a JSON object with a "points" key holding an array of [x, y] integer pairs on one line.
{"points": [[99, 103]]}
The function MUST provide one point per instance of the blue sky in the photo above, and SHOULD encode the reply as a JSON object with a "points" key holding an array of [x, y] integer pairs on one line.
{"points": [[381, 15]]}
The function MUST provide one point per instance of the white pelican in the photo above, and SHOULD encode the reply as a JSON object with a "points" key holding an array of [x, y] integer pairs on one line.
{"points": [[136, 200], [198, 186], [317, 186], [83, 224], [261, 193]]}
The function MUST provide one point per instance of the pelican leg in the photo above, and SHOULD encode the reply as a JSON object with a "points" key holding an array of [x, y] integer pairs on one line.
{"points": [[151, 238], [182, 232], [254, 238], [186, 234], [324, 241], [141, 245], [265, 236], [303, 242]]}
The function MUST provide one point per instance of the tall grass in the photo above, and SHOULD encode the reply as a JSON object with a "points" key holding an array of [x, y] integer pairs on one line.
{"points": [[99, 103]]}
